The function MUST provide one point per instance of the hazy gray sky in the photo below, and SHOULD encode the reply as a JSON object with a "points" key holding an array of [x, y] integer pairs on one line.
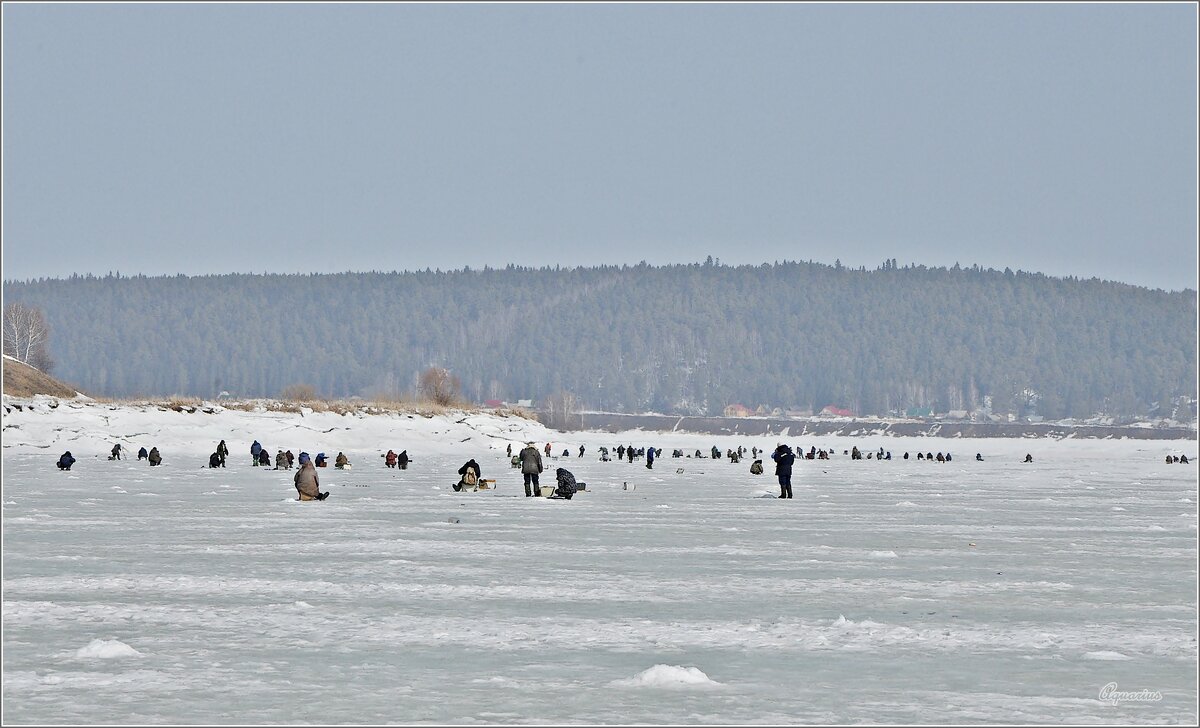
{"points": [[301, 138]]}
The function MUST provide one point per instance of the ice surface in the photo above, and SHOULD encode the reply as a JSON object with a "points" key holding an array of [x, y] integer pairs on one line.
{"points": [[896, 591]]}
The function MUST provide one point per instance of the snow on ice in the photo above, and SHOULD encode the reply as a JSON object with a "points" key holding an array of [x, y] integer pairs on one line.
{"points": [[884, 592]]}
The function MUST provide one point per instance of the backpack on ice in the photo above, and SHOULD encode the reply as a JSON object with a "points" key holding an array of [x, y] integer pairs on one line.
{"points": [[469, 480], [756, 468]]}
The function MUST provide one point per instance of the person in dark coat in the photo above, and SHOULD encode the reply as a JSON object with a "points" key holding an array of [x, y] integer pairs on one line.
{"points": [[154, 457], [66, 461], [390, 459], [531, 467], [620, 452], [650, 457], [979, 457], [264, 458], [1183, 459], [255, 449], [116, 452], [1028, 458], [566, 484], [470, 475], [581, 451], [280, 460], [142, 454], [214, 460], [341, 461], [784, 458], [402, 459], [320, 460], [290, 458], [222, 452]]}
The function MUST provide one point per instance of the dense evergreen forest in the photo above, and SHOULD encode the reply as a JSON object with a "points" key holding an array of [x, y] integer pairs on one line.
{"points": [[686, 339]]}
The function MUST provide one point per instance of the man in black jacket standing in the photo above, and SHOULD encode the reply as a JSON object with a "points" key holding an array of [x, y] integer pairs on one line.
{"points": [[784, 458]]}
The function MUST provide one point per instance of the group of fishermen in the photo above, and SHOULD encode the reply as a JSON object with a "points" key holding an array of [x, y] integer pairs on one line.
{"points": [[66, 460], [284, 460], [529, 460]]}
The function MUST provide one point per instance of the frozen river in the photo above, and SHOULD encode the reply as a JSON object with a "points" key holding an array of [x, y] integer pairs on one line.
{"points": [[897, 591]]}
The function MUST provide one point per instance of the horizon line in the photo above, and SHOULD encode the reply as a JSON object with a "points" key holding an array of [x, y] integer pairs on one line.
{"points": [[710, 262]]}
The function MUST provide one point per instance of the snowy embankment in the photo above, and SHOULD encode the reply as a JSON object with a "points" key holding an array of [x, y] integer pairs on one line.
{"points": [[90, 429]]}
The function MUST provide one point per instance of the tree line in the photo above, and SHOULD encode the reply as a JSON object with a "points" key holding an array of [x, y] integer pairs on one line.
{"points": [[683, 339]]}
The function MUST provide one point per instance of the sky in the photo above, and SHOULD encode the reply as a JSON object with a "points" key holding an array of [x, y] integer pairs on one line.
{"points": [[218, 138]]}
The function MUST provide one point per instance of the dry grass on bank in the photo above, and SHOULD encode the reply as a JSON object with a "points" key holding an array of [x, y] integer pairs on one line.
{"points": [[22, 380], [424, 408]]}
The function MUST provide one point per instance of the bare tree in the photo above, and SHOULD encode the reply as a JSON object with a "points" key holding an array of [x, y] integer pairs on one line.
{"points": [[561, 408], [440, 386], [298, 393], [26, 334]]}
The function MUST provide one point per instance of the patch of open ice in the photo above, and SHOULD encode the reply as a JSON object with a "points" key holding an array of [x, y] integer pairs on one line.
{"points": [[106, 650], [1105, 655], [668, 676]]}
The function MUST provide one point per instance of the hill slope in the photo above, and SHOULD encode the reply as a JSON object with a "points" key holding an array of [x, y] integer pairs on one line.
{"points": [[22, 380]]}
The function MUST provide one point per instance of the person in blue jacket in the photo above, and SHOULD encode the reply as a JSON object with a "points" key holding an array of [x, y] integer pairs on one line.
{"points": [[784, 457], [255, 449], [650, 457], [66, 461]]}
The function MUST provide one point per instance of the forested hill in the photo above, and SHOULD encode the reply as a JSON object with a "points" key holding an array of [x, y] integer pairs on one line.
{"points": [[675, 339]]}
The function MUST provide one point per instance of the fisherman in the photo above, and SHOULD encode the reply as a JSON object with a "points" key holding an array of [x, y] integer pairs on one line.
{"points": [[470, 475], [531, 467]]}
